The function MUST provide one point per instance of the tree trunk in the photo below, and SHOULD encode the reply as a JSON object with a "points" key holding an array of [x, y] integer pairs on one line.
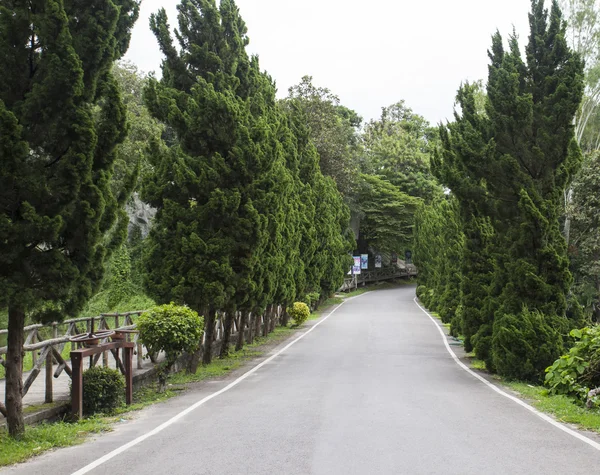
{"points": [[14, 372], [257, 332], [240, 340], [285, 318], [209, 333], [251, 326], [267, 325], [227, 326], [274, 317]]}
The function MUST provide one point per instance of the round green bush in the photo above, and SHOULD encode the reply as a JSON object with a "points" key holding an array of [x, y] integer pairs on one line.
{"points": [[173, 329], [299, 312], [103, 390]]}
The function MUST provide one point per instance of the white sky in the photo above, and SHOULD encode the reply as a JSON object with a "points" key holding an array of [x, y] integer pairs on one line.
{"points": [[370, 53]]}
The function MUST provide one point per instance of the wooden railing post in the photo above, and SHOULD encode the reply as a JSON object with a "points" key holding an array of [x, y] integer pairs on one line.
{"points": [[128, 357], [77, 386], [49, 397]]}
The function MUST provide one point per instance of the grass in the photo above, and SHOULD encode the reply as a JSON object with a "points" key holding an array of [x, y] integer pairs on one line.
{"points": [[38, 439], [561, 407], [220, 367], [137, 300]]}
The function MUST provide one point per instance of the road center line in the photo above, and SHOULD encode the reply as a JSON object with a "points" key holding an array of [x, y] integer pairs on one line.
{"points": [[88, 468], [495, 388]]}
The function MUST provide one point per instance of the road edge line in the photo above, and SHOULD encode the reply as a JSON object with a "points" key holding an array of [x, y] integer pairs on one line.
{"points": [[105, 458], [515, 399]]}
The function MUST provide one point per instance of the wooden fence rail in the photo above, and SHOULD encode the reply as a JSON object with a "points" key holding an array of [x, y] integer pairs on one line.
{"points": [[47, 343], [378, 275]]}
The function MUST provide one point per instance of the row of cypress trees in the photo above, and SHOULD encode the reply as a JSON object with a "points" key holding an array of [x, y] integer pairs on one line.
{"points": [[507, 167], [245, 217]]}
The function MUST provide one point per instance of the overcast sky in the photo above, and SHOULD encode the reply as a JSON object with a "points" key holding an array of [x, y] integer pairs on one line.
{"points": [[371, 54]]}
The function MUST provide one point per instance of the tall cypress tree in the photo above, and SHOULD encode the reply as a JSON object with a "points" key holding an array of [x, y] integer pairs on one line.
{"points": [[209, 235], [465, 146], [517, 159], [61, 117]]}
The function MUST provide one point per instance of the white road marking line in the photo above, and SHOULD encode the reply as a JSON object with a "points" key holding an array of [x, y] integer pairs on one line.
{"points": [[163, 426], [521, 403]]}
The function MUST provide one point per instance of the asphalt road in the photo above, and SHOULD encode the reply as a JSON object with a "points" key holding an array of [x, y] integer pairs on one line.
{"points": [[372, 390]]}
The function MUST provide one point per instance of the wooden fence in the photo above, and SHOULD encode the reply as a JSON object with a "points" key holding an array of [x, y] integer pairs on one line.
{"points": [[378, 275], [47, 344]]}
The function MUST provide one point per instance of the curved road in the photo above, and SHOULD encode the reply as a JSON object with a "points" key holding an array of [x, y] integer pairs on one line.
{"points": [[372, 390]]}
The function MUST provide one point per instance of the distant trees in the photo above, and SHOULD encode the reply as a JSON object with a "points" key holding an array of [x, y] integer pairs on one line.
{"points": [[61, 118]]}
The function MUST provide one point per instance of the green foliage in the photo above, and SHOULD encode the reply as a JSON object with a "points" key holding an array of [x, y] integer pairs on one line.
{"points": [[334, 130], [438, 228], [508, 164], [300, 312], [387, 215], [584, 249], [103, 390], [312, 299], [61, 119], [523, 345], [172, 329], [245, 217], [577, 372], [398, 147]]}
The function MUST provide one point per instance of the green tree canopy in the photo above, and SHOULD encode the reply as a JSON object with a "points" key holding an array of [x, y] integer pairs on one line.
{"points": [[61, 116]]}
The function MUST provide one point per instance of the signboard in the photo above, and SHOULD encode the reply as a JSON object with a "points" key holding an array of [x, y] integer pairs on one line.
{"points": [[364, 261], [356, 268], [378, 261]]}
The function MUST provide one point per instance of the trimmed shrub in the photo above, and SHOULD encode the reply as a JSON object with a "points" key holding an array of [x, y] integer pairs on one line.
{"points": [[172, 329], [577, 372], [299, 312], [103, 390], [524, 345]]}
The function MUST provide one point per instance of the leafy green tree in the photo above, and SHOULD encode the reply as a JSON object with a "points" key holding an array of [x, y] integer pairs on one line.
{"points": [[583, 36], [398, 147], [61, 117], [333, 129], [387, 215]]}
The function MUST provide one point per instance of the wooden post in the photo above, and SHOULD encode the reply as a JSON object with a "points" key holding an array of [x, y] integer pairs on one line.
{"points": [[77, 386], [139, 355], [49, 368], [128, 357]]}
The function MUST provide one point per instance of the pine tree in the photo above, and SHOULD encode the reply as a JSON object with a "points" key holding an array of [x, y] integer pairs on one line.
{"points": [[510, 167], [61, 117], [210, 233]]}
